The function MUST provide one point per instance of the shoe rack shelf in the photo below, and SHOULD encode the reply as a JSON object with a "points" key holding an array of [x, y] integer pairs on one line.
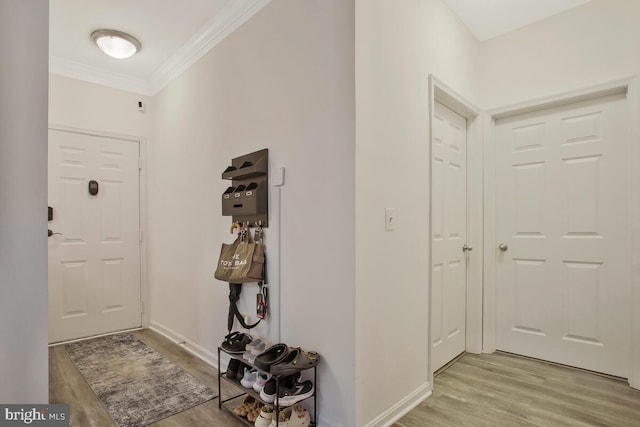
{"points": [[228, 405]]}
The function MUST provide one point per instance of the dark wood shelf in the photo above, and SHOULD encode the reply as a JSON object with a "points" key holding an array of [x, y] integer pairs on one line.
{"points": [[229, 407], [247, 391], [244, 173]]}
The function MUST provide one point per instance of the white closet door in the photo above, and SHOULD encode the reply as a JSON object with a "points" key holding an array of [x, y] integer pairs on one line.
{"points": [[449, 234], [563, 290]]}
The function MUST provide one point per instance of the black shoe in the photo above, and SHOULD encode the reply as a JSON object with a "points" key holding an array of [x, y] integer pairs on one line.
{"points": [[235, 342], [289, 357], [294, 393], [297, 360], [233, 368], [240, 373], [268, 393], [274, 354]]}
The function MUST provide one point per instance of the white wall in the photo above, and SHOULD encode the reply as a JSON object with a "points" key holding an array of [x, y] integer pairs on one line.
{"points": [[23, 201], [283, 81], [78, 104], [591, 44], [398, 44]]}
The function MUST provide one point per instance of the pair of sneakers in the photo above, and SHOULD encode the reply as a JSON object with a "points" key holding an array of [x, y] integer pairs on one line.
{"points": [[292, 390], [254, 379], [255, 348], [249, 409], [296, 416], [269, 391]]}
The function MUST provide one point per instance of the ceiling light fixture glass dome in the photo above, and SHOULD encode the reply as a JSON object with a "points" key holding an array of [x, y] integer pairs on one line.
{"points": [[116, 43]]}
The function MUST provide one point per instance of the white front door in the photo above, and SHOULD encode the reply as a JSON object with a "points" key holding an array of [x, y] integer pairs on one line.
{"points": [[563, 289], [94, 264], [449, 234]]}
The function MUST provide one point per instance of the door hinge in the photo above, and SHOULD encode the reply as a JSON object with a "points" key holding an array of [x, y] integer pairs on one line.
{"points": [[140, 237], [141, 307], [139, 163]]}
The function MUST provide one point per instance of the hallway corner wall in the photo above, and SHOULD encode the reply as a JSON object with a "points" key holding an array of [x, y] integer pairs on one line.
{"points": [[23, 201], [398, 44]]}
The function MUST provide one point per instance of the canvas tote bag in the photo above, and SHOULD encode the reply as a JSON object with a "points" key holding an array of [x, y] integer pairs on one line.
{"points": [[241, 261]]}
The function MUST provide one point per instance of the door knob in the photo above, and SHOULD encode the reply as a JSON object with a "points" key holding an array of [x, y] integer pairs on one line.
{"points": [[50, 233], [503, 247], [466, 248]]}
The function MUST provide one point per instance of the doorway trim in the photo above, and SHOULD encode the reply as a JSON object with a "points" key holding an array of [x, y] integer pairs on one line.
{"points": [[142, 150], [630, 86], [444, 94]]}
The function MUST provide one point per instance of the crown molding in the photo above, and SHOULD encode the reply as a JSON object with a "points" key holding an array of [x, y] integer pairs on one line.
{"points": [[89, 73], [234, 14]]}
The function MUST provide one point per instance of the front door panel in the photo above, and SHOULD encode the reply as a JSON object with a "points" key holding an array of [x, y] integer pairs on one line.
{"points": [[94, 264]]}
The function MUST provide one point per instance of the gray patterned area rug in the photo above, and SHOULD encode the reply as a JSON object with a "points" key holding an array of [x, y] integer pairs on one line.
{"points": [[136, 384]]}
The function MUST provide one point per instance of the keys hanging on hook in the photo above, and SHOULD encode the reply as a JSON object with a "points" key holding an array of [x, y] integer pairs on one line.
{"points": [[258, 235], [243, 235]]}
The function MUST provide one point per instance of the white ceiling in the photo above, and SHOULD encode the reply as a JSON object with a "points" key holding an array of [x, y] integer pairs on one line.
{"points": [[174, 34], [490, 18]]}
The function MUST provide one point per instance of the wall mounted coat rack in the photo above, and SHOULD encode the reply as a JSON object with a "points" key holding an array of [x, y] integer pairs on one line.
{"points": [[247, 199]]}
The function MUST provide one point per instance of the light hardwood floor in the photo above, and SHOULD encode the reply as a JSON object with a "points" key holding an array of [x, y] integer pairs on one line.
{"points": [[503, 390], [496, 390]]}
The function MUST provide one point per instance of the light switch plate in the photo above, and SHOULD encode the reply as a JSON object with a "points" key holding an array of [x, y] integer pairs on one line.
{"points": [[389, 219]]}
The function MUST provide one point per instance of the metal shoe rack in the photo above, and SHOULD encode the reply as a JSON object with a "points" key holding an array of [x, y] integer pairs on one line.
{"points": [[228, 406]]}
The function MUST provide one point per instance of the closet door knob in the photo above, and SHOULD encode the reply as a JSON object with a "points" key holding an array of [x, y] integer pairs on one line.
{"points": [[467, 248], [503, 247]]}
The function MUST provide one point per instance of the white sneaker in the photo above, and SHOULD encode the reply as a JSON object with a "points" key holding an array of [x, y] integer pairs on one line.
{"points": [[285, 418], [261, 381], [296, 416], [258, 345], [300, 417], [249, 378], [261, 347], [265, 418], [248, 356]]}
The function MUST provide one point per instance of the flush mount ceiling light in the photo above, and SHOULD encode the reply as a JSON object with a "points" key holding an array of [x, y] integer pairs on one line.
{"points": [[116, 43]]}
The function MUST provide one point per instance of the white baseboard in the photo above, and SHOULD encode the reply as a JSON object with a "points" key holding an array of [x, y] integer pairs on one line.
{"points": [[200, 352], [122, 331], [401, 408]]}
